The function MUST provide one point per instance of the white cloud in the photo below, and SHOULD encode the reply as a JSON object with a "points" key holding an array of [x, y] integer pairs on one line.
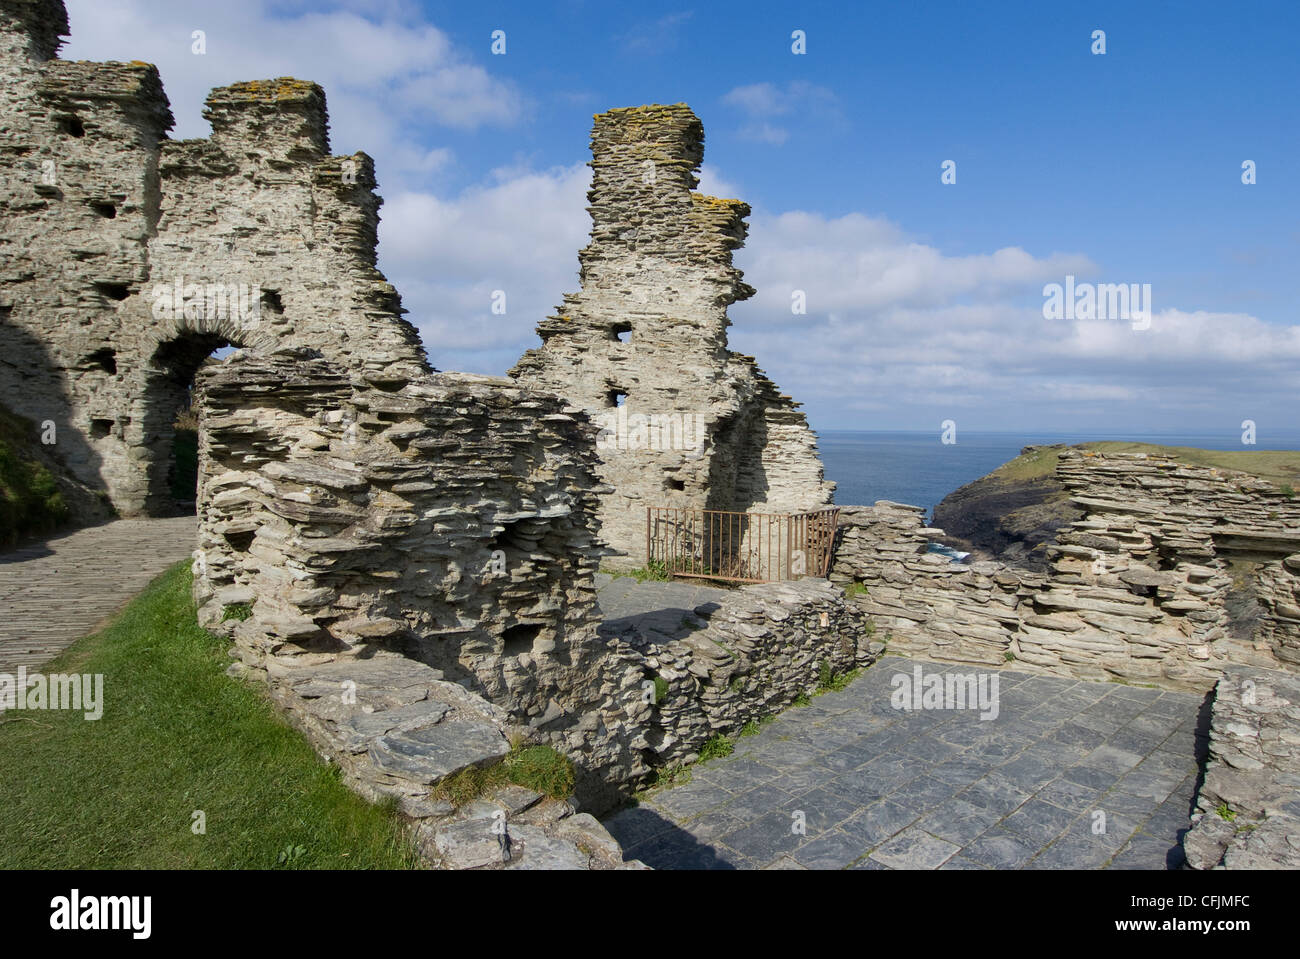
{"points": [[762, 102], [520, 233], [386, 73], [899, 333]]}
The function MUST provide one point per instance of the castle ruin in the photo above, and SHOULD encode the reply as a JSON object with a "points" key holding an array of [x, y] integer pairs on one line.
{"points": [[685, 422], [127, 258], [428, 542]]}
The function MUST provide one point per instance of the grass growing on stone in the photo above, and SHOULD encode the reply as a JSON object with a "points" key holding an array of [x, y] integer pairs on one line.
{"points": [[653, 572], [753, 727], [661, 689], [539, 768], [717, 747], [239, 611], [177, 737], [830, 681]]}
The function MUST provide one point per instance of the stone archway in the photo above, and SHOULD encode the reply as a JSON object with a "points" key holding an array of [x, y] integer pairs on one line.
{"points": [[170, 455]]}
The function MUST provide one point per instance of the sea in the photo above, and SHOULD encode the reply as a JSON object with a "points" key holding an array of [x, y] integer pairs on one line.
{"points": [[920, 470]]}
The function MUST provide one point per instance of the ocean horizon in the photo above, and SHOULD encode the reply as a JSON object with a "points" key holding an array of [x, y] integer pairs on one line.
{"points": [[917, 468]]}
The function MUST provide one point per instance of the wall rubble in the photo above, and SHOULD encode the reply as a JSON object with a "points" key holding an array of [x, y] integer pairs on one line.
{"points": [[452, 521]]}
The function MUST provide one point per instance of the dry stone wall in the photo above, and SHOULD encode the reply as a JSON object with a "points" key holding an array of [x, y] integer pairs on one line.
{"points": [[1141, 589], [642, 347], [451, 521], [1248, 807], [126, 258]]}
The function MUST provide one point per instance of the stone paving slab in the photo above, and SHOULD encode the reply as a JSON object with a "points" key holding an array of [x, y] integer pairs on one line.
{"points": [[659, 611], [1068, 775], [57, 590]]}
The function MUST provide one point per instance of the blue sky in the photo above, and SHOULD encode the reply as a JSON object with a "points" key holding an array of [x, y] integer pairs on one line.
{"points": [[924, 299]]}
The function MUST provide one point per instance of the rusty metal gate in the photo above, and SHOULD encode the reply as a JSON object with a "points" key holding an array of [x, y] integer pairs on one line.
{"points": [[741, 547]]}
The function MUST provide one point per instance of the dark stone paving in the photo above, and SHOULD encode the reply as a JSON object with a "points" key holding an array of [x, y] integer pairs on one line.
{"points": [[1069, 775], [660, 611]]}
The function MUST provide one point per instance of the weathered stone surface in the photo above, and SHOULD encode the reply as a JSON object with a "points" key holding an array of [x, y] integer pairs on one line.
{"points": [[1248, 808], [1138, 589], [435, 752], [698, 426], [168, 249]]}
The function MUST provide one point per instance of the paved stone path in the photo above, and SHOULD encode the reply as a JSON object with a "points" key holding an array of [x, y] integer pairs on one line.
{"points": [[656, 609], [883, 788], [55, 591]]}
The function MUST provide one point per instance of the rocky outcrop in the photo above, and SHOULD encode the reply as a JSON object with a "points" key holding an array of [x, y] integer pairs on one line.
{"points": [[1248, 807], [1007, 516], [126, 258], [643, 347], [1139, 589]]}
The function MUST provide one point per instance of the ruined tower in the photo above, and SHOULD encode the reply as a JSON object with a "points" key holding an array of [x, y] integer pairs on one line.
{"points": [[126, 258], [643, 347]]}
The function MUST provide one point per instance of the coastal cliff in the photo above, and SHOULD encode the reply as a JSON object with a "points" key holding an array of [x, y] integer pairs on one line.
{"points": [[1014, 513]]}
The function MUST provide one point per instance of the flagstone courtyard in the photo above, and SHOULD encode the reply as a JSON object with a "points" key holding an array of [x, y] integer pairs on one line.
{"points": [[1069, 775]]}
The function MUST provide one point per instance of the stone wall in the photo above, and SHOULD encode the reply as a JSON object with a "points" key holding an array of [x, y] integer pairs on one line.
{"points": [[643, 347], [747, 657], [1248, 807], [126, 258], [1142, 589], [450, 519]]}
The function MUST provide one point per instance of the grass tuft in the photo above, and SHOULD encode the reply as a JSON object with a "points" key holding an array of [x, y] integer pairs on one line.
{"points": [[239, 611], [539, 768], [716, 748]]}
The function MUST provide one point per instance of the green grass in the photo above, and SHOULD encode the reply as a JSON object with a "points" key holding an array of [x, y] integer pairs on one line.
{"points": [[752, 727], [661, 689], [855, 589], [656, 571], [716, 748], [830, 681], [539, 768], [1225, 813], [239, 611], [1281, 467], [30, 500], [177, 735]]}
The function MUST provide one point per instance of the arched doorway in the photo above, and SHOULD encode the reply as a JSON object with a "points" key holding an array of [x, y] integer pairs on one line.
{"points": [[170, 425]]}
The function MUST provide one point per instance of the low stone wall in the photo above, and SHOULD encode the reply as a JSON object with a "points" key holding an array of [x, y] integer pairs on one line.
{"points": [[749, 656], [1248, 808], [1137, 590]]}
